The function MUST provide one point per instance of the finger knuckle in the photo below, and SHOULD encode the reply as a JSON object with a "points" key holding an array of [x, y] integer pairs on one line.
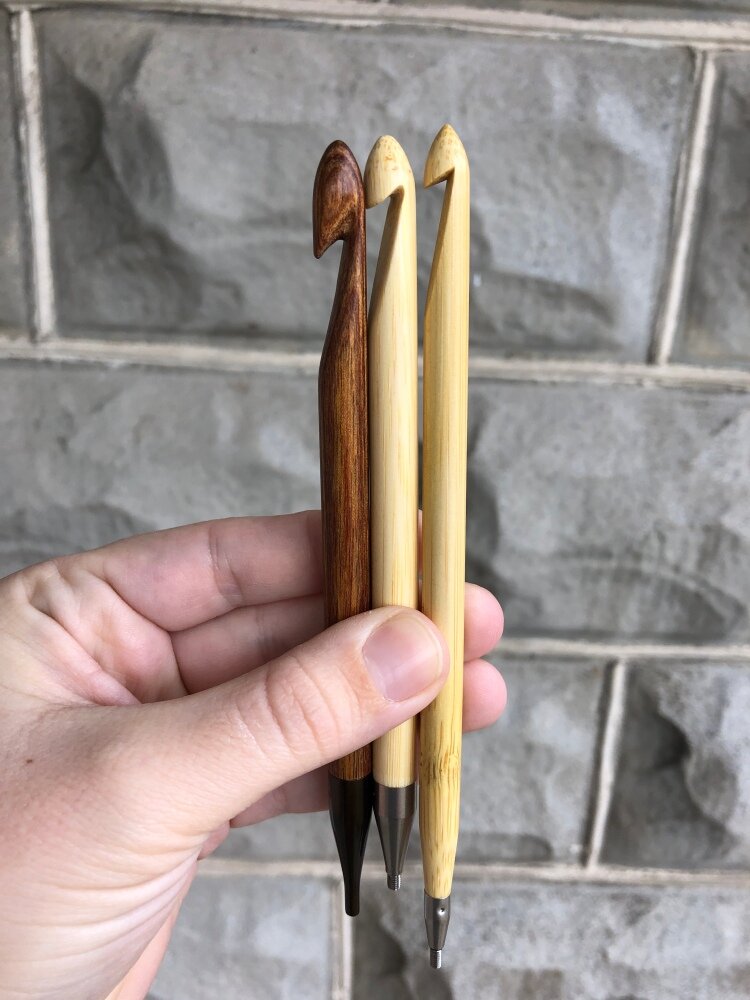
{"points": [[304, 714]]}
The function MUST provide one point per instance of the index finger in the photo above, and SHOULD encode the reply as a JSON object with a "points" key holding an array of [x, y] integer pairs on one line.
{"points": [[184, 576]]}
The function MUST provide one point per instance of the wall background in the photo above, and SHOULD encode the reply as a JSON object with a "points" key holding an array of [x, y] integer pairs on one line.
{"points": [[162, 315]]}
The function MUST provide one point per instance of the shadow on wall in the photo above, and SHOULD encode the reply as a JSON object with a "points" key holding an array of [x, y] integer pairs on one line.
{"points": [[522, 305], [382, 963], [32, 535], [588, 520], [156, 276], [676, 793]]}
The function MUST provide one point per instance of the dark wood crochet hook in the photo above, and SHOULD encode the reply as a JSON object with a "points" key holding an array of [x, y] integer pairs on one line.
{"points": [[339, 214]]}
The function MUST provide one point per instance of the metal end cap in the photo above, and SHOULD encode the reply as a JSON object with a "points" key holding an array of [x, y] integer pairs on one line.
{"points": [[350, 807], [436, 958], [394, 814], [437, 914]]}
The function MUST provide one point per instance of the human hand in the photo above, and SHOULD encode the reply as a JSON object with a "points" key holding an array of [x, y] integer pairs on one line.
{"points": [[160, 689]]}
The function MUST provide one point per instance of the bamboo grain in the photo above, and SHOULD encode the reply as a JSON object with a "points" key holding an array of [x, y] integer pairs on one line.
{"points": [[446, 335], [392, 352]]}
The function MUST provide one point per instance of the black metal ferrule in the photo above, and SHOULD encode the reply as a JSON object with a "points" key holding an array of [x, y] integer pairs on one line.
{"points": [[350, 808]]}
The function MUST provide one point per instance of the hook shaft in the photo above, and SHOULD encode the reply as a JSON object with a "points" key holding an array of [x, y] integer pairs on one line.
{"points": [[446, 343], [339, 214], [392, 352]]}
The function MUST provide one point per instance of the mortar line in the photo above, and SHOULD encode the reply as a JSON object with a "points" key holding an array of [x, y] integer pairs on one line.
{"points": [[607, 761], [34, 171], [229, 358], [575, 648], [341, 945], [711, 31], [329, 871], [502, 871], [602, 875], [688, 200], [605, 372]]}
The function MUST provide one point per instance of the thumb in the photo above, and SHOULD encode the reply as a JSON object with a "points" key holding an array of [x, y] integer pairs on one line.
{"points": [[208, 756]]}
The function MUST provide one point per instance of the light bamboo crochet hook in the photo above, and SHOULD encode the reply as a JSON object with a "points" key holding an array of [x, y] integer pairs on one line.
{"points": [[392, 353], [339, 214], [446, 342]]}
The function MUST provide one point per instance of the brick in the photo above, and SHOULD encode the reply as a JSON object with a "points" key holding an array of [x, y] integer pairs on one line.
{"points": [[546, 941], [192, 216], [90, 454], [682, 792], [612, 511], [13, 311], [526, 782], [301, 836], [240, 936], [715, 328]]}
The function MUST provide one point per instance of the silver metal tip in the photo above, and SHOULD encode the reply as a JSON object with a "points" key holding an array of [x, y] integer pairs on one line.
{"points": [[394, 814], [437, 914], [436, 958]]}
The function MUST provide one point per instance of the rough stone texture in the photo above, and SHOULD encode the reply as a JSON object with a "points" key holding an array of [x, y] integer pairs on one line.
{"points": [[242, 938], [282, 838], [682, 792], [89, 455], [515, 941], [716, 328], [184, 214], [599, 511], [612, 511], [12, 280], [525, 782]]}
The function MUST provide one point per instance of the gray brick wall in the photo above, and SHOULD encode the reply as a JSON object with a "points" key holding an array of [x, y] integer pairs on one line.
{"points": [[160, 319]]}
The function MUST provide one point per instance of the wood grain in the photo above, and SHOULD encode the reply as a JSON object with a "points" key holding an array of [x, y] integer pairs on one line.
{"points": [[339, 214], [392, 340], [446, 341]]}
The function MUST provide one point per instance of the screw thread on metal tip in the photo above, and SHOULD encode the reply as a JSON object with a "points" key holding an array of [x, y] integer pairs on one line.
{"points": [[436, 958], [393, 882]]}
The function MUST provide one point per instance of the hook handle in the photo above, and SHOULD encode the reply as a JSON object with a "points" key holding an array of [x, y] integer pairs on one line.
{"points": [[446, 342], [339, 214], [392, 335]]}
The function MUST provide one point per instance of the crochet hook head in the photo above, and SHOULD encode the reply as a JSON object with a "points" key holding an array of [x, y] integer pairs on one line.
{"points": [[446, 157], [387, 172], [338, 198]]}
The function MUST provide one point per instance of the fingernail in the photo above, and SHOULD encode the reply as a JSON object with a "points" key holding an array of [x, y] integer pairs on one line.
{"points": [[403, 657]]}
